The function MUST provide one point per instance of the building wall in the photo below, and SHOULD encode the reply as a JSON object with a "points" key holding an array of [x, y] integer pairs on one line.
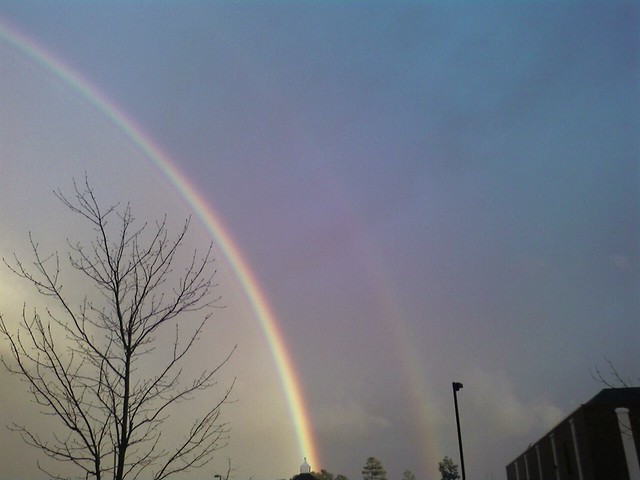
{"points": [[593, 433], [546, 459], [607, 452], [634, 417]]}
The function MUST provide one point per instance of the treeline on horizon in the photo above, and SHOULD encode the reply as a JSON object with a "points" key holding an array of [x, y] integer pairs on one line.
{"points": [[374, 470]]}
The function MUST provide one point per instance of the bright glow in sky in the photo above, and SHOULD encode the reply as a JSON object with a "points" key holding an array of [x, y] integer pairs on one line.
{"points": [[424, 193]]}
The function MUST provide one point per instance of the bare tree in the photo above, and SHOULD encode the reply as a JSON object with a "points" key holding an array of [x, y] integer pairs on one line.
{"points": [[612, 379], [84, 365]]}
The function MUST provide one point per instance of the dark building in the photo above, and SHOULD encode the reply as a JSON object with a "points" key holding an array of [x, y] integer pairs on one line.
{"points": [[598, 441]]}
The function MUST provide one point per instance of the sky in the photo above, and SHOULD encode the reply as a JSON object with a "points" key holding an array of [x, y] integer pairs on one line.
{"points": [[424, 192]]}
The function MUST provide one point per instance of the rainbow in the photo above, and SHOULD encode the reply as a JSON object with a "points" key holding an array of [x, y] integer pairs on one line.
{"points": [[213, 223]]}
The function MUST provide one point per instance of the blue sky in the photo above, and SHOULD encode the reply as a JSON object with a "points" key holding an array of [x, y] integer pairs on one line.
{"points": [[427, 192]]}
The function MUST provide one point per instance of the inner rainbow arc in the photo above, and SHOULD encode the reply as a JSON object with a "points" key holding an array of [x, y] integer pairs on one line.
{"points": [[268, 324], [214, 225]]}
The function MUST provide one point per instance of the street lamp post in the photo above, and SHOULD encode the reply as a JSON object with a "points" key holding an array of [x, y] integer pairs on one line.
{"points": [[457, 386]]}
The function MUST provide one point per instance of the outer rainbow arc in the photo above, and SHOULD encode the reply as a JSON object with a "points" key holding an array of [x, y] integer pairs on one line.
{"points": [[212, 222]]}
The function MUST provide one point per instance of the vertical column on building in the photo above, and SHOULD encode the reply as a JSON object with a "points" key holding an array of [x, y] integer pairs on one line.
{"points": [[628, 443], [576, 447], [517, 471], [555, 455], [526, 466], [539, 461]]}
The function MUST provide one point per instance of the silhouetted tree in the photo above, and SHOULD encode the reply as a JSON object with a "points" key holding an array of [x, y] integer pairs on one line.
{"points": [[323, 475], [613, 379], [85, 365], [448, 469], [408, 475], [373, 470]]}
